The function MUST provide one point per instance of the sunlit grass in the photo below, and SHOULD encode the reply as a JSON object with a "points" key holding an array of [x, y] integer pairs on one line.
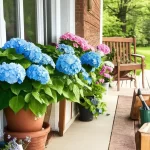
{"points": [[146, 52]]}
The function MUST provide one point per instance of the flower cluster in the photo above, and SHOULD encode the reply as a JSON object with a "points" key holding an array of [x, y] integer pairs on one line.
{"points": [[103, 49], [29, 50], [91, 58], [65, 48], [12, 73], [107, 68], [14, 143], [38, 73], [68, 64], [76, 41]]}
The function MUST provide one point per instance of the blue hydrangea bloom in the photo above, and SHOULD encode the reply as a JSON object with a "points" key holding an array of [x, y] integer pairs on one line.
{"points": [[38, 73], [12, 73], [86, 76], [94, 101], [68, 64], [16, 43], [47, 60], [32, 52], [65, 48], [91, 58]]}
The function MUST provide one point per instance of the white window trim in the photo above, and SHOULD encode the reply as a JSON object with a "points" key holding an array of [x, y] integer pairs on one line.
{"points": [[40, 22], [2, 41], [55, 20], [20, 19]]}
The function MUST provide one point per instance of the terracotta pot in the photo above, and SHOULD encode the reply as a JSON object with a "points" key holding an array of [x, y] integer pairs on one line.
{"points": [[38, 138], [23, 121]]}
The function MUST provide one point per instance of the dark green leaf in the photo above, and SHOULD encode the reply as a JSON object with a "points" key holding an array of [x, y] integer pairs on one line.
{"points": [[15, 88]]}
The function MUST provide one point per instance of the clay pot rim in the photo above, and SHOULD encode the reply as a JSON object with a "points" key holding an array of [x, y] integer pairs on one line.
{"points": [[33, 134]]}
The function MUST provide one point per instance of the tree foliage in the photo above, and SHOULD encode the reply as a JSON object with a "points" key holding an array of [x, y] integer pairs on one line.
{"points": [[127, 18]]}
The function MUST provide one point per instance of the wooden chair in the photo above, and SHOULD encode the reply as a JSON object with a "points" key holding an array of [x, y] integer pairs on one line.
{"points": [[124, 58]]}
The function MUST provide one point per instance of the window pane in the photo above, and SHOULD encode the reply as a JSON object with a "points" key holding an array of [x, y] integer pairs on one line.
{"points": [[30, 20], [10, 18]]}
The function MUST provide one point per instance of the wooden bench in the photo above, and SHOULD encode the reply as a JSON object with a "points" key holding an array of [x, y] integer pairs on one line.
{"points": [[124, 58]]}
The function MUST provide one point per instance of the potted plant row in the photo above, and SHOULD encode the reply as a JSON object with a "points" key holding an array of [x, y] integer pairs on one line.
{"points": [[34, 76]]}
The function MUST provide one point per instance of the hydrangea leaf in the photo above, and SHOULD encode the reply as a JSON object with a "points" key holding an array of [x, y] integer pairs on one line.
{"points": [[44, 99], [24, 62], [15, 88], [48, 91], [54, 96], [16, 103], [36, 95], [69, 81], [12, 55], [28, 97], [81, 93], [58, 85], [36, 84], [76, 92], [70, 95], [37, 108]]}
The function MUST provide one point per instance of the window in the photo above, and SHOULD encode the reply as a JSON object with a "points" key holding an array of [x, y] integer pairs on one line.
{"points": [[10, 18]]}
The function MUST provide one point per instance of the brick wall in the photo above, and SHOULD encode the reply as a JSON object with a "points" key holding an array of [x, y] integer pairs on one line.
{"points": [[88, 22]]}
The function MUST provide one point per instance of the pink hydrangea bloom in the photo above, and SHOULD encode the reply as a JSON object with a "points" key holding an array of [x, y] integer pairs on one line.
{"points": [[103, 48], [77, 41], [103, 70], [101, 80], [106, 75]]}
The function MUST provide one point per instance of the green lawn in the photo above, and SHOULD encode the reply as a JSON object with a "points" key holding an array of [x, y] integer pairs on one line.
{"points": [[146, 52]]}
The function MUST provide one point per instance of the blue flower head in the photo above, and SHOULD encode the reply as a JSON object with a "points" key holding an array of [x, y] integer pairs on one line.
{"points": [[47, 60], [38, 73], [16, 43], [91, 58], [86, 76], [68, 64], [32, 52], [65, 48], [12, 73]]}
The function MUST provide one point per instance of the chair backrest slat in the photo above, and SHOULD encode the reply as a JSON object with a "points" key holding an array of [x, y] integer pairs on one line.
{"points": [[122, 48]]}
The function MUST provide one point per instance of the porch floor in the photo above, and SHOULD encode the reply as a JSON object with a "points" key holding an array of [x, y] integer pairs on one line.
{"points": [[96, 135]]}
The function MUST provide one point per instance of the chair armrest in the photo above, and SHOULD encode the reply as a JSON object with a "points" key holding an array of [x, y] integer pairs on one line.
{"points": [[138, 55]]}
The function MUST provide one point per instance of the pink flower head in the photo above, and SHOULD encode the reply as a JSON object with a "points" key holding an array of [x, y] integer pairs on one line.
{"points": [[106, 75], [75, 45], [103, 70], [110, 69], [103, 48], [101, 80], [77, 41]]}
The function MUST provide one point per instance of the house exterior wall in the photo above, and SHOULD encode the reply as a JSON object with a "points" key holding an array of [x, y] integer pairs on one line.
{"points": [[88, 22]]}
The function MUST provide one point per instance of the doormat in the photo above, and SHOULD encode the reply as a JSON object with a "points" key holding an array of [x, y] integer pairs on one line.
{"points": [[123, 135]]}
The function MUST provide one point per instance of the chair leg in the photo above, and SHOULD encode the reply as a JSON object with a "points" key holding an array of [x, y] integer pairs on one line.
{"points": [[143, 78], [118, 83], [135, 83]]}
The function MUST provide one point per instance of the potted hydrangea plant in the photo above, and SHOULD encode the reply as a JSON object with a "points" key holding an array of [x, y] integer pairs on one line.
{"points": [[29, 82], [91, 99]]}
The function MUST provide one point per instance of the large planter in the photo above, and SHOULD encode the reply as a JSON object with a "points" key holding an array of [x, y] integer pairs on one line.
{"points": [[23, 121], [38, 138], [84, 114]]}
